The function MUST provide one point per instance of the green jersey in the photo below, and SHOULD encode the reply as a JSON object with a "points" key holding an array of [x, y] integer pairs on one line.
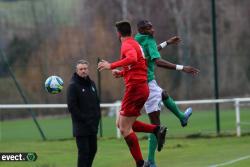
{"points": [[151, 52]]}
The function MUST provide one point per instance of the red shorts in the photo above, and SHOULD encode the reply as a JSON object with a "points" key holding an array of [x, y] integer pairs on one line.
{"points": [[134, 99]]}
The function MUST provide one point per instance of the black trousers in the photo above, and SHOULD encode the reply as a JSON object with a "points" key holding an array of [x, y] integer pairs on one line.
{"points": [[87, 148]]}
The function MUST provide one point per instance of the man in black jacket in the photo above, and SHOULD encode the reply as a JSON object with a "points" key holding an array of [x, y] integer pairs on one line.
{"points": [[84, 107]]}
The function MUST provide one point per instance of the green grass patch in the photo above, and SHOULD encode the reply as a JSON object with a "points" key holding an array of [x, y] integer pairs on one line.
{"points": [[202, 123], [113, 152], [193, 151]]}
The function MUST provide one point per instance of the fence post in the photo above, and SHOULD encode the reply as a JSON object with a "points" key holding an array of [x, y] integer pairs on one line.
{"points": [[237, 112], [100, 95], [117, 110]]}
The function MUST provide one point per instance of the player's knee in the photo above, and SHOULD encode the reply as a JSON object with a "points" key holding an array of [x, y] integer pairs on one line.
{"points": [[164, 95], [124, 132]]}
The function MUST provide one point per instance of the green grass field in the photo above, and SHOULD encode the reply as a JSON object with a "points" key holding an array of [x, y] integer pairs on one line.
{"points": [[193, 146], [113, 152], [201, 123]]}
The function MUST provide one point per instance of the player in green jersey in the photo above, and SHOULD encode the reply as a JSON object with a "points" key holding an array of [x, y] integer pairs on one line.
{"points": [[157, 95]]}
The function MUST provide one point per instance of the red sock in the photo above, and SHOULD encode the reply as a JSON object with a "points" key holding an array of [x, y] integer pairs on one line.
{"points": [[139, 126], [134, 147]]}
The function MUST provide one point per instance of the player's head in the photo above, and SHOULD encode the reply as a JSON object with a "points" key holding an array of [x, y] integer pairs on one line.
{"points": [[123, 28], [82, 68], [145, 27]]}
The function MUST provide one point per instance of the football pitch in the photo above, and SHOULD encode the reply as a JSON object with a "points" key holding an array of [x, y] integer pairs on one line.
{"points": [[202, 123], [226, 151], [192, 146]]}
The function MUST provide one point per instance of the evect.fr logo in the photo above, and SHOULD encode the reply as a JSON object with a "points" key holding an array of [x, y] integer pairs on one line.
{"points": [[18, 156]]}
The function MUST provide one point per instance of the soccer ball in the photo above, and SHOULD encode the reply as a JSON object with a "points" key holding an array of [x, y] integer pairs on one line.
{"points": [[54, 84]]}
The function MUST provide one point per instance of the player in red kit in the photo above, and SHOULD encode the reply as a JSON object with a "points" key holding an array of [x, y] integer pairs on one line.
{"points": [[135, 77]]}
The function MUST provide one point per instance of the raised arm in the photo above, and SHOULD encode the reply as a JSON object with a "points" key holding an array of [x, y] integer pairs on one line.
{"points": [[172, 40], [168, 65], [130, 58]]}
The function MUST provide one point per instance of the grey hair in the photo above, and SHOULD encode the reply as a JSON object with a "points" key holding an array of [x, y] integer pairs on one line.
{"points": [[82, 62]]}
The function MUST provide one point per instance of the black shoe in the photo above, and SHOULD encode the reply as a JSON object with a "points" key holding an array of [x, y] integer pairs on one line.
{"points": [[143, 164], [161, 135]]}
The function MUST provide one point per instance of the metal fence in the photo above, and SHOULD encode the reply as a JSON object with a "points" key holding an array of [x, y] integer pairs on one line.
{"points": [[236, 102]]}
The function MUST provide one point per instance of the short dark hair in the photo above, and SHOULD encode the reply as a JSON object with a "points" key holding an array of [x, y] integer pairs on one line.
{"points": [[124, 28], [143, 24], [82, 62]]}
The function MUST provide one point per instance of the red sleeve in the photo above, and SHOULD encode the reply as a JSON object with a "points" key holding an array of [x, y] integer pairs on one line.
{"points": [[130, 57]]}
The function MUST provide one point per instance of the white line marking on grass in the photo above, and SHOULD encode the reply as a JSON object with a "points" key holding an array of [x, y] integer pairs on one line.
{"points": [[231, 162]]}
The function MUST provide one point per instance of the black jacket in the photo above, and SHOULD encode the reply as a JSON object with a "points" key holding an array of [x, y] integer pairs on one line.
{"points": [[84, 106]]}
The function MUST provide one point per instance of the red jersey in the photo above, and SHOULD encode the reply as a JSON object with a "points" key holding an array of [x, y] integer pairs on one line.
{"points": [[133, 62]]}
